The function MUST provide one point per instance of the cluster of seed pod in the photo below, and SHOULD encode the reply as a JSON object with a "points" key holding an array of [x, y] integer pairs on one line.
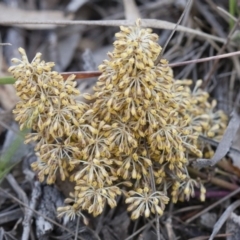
{"points": [[48, 107], [205, 118], [134, 138]]}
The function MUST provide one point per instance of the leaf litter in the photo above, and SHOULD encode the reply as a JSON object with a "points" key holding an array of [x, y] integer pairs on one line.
{"points": [[49, 21]]}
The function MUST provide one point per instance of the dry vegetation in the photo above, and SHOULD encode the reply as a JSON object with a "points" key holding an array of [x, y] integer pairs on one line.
{"points": [[76, 35]]}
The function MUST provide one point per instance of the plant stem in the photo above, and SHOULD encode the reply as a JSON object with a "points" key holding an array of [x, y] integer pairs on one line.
{"points": [[156, 215], [214, 180]]}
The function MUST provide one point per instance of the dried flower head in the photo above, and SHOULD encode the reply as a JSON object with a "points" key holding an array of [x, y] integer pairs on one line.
{"points": [[47, 106], [144, 202], [134, 138], [205, 119]]}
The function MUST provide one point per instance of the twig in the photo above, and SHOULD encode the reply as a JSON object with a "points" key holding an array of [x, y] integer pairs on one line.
{"points": [[214, 180], [135, 225], [207, 237], [220, 56], [36, 212], [156, 214], [186, 209], [77, 228], [21, 194], [213, 205], [83, 75], [28, 212], [189, 3], [207, 79], [100, 221], [196, 54], [90, 74], [154, 190], [10, 215], [5, 44], [140, 229], [152, 23]]}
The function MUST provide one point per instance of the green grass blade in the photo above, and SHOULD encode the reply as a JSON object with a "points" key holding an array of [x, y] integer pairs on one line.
{"points": [[7, 80], [232, 11], [6, 157]]}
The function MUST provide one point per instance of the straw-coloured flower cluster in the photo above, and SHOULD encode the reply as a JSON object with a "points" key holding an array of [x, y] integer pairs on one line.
{"points": [[204, 117], [48, 107], [135, 138]]}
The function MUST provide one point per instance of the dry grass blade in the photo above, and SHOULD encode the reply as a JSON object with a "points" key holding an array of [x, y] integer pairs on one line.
{"points": [[89, 74], [152, 23], [36, 212], [224, 145], [227, 14], [6, 158], [156, 215], [77, 228], [14, 184], [226, 43], [141, 229], [28, 212], [74, 5], [189, 4], [233, 226], [213, 205], [200, 60], [215, 143], [5, 44], [214, 180], [131, 10], [15, 14], [11, 215], [223, 218], [207, 237]]}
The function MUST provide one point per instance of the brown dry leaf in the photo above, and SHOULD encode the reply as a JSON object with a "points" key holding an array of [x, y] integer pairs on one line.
{"points": [[235, 155], [224, 145], [227, 164], [227, 139], [223, 218], [233, 227], [8, 97], [17, 14]]}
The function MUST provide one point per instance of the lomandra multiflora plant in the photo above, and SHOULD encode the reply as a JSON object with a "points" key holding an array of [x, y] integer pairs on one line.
{"points": [[135, 137]]}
